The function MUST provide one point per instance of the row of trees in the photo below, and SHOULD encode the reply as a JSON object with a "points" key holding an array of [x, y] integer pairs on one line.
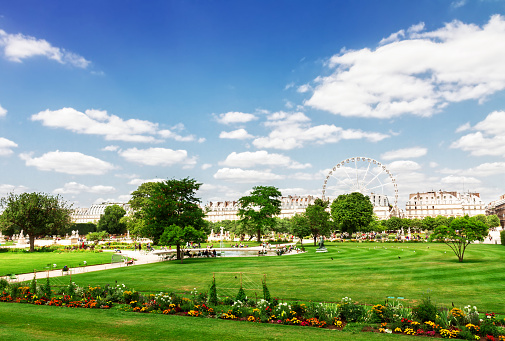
{"points": [[169, 213]]}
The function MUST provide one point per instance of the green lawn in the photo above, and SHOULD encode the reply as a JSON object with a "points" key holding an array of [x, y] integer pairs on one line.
{"points": [[367, 273], [20, 262], [30, 322]]}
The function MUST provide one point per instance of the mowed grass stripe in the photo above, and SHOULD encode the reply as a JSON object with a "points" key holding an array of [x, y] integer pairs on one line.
{"points": [[357, 271]]}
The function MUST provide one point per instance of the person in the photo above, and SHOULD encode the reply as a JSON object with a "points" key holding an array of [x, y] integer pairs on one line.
{"points": [[140, 246]]}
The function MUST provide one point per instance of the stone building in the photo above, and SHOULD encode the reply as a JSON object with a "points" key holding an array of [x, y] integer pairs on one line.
{"points": [[447, 204], [497, 207], [92, 214]]}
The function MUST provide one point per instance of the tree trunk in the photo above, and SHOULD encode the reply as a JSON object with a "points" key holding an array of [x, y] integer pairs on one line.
{"points": [[32, 243], [178, 251], [259, 236], [301, 241], [315, 240]]}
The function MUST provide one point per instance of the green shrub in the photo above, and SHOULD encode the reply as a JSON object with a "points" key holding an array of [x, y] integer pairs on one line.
{"points": [[213, 293], [3, 284], [502, 237], [350, 311], [241, 296], [426, 310]]}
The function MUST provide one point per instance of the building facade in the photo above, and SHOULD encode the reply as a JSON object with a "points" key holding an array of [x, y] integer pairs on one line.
{"points": [[93, 214], [497, 207], [447, 204]]}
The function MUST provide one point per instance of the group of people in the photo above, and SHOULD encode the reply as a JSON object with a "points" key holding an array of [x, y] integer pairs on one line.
{"points": [[204, 253]]}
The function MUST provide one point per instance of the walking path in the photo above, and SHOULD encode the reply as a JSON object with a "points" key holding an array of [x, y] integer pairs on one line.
{"points": [[141, 257]]}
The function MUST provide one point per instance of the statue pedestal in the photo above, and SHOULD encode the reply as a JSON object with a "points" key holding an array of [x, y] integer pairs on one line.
{"points": [[323, 249], [74, 240]]}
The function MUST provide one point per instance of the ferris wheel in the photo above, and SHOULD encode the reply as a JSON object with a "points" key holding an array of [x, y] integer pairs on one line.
{"points": [[364, 175]]}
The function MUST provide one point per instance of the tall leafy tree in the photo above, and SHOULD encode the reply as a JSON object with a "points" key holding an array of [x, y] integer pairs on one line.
{"points": [[258, 209], [492, 221], [318, 218], [352, 212], [180, 236], [299, 226], [172, 203], [110, 221], [37, 214], [460, 233]]}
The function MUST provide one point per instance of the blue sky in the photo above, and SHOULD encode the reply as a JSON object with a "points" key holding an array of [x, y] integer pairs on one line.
{"points": [[97, 97]]}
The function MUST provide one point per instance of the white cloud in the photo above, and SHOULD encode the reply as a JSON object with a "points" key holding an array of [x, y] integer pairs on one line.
{"points": [[404, 153], [433, 164], [239, 134], [393, 37], [111, 127], [138, 182], [235, 117], [157, 156], [3, 111], [304, 88], [418, 75], [403, 166], [246, 176], [76, 188], [451, 179], [485, 169], [5, 189], [6, 146], [458, 3], [110, 148], [261, 157], [300, 192], [206, 166], [219, 192], [293, 130], [68, 162], [18, 47], [463, 127], [488, 138]]}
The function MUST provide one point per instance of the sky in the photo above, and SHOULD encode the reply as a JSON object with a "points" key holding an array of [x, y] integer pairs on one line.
{"points": [[97, 97]]}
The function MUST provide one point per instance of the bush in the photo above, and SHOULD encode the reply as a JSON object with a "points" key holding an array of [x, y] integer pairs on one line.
{"points": [[502, 237], [351, 312], [426, 310]]}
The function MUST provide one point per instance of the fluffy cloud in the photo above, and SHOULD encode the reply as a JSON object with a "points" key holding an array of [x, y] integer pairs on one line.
{"points": [[68, 162], [76, 188], [112, 127], [405, 153], [403, 166], [219, 192], [262, 157], [488, 138], [3, 112], [18, 47], [239, 134], [419, 75], [245, 176], [5, 189], [235, 117], [157, 156], [6, 146], [485, 169], [138, 182], [110, 148], [293, 130], [451, 179]]}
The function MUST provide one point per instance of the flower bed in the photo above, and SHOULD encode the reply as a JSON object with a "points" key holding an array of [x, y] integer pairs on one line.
{"points": [[425, 319]]}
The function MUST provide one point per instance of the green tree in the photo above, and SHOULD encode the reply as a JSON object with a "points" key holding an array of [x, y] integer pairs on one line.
{"points": [[37, 214], [172, 203], [110, 221], [179, 236], [480, 217], [299, 226], [352, 212], [460, 233], [492, 221], [319, 219], [140, 197], [258, 210], [393, 224], [429, 223]]}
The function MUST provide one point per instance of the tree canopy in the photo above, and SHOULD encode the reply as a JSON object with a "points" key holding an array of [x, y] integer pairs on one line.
{"points": [[37, 214], [318, 219], [352, 212], [111, 222], [172, 203], [299, 226], [460, 233], [258, 209]]}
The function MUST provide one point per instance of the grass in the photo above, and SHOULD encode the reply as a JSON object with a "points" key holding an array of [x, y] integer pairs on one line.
{"points": [[21, 262], [368, 273], [30, 322]]}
